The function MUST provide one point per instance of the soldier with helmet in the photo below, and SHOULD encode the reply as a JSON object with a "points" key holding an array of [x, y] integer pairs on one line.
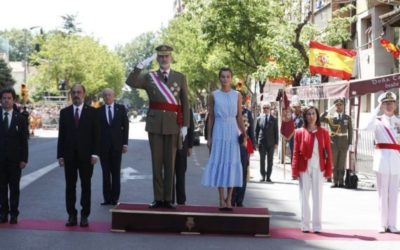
{"points": [[386, 129], [341, 129]]}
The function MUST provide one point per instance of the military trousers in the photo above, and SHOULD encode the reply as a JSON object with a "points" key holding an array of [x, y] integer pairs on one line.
{"points": [[163, 152], [339, 153]]}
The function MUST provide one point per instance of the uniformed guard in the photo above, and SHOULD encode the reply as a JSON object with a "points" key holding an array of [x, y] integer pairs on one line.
{"points": [[341, 129], [167, 118], [386, 159]]}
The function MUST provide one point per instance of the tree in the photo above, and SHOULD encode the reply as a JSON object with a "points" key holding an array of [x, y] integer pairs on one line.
{"points": [[20, 40], [70, 24], [6, 79], [76, 59]]}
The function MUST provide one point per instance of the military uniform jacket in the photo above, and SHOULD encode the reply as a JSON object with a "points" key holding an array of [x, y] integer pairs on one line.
{"points": [[163, 121], [386, 161], [339, 126]]}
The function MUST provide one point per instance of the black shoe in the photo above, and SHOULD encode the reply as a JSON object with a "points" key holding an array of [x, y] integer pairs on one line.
{"points": [[168, 204], [334, 186], [181, 203], [239, 204], [3, 218], [72, 221], [114, 203], [105, 203], [84, 222], [156, 204], [269, 180], [13, 220], [262, 180], [341, 185]]}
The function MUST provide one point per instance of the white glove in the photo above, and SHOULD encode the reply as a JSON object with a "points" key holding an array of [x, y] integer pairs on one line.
{"points": [[350, 149], [146, 62], [183, 132], [377, 109]]}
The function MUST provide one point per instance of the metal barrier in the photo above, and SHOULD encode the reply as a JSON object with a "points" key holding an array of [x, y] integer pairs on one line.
{"points": [[365, 151]]}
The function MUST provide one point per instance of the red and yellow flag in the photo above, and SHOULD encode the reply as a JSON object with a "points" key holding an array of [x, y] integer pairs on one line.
{"points": [[390, 47], [331, 61]]}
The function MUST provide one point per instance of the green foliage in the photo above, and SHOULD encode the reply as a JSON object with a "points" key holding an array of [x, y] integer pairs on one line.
{"points": [[70, 24], [137, 50], [6, 79], [76, 59], [20, 43]]}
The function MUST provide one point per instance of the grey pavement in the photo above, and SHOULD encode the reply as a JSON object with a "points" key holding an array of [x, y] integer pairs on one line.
{"points": [[343, 210]]}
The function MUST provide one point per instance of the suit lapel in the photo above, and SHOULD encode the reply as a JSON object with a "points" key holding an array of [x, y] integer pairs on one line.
{"points": [[14, 118]]}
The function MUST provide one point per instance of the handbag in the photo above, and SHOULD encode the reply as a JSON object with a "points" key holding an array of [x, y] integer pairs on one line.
{"points": [[351, 180]]}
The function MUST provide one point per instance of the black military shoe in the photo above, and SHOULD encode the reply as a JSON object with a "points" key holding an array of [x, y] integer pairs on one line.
{"points": [[3, 218], [156, 204], [84, 222], [72, 221], [168, 204], [13, 220]]}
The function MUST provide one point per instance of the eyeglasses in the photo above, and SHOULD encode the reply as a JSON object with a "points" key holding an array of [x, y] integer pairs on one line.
{"points": [[265, 107]]}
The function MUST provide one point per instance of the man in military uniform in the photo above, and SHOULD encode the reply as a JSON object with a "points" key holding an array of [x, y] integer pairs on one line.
{"points": [[386, 129], [167, 119], [342, 136]]}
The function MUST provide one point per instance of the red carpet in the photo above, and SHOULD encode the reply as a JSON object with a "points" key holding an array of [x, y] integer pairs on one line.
{"points": [[276, 233]]}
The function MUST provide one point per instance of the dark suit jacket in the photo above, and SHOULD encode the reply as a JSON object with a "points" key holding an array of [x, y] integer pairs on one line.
{"points": [[14, 142], [84, 140], [189, 139], [115, 136], [267, 134]]}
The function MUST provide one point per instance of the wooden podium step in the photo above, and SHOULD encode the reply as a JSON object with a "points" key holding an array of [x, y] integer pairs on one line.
{"points": [[190, 220]]}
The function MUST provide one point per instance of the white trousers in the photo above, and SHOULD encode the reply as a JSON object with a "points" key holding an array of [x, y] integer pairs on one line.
{"points": [[311, 180], [388, 186]]}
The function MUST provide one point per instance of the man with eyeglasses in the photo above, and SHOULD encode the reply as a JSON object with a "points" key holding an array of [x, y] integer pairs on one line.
{"points": [[267, 141]]}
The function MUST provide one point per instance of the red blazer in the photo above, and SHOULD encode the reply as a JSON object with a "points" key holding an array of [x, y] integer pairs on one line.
{"points": [[303, 147]]}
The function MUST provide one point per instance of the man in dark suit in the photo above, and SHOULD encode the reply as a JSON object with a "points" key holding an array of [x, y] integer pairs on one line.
{"points": [[114, 131], [13, 156], [77, 151], [267, 140], [181, 163], [239, 192]]}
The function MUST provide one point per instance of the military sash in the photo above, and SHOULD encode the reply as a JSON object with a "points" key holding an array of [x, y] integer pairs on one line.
{"points": [[164, 90]]}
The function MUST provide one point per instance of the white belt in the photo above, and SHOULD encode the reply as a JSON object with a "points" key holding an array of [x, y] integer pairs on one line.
{"points": [[339, 134]]}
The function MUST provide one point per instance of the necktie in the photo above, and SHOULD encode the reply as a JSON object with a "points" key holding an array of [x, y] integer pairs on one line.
{"points": [[5, 120], [110, 118], [76, 117], [165, 74], [340, 117]]}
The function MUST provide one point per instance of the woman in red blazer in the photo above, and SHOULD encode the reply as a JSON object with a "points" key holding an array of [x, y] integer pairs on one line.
{"points": [[312, 161]]}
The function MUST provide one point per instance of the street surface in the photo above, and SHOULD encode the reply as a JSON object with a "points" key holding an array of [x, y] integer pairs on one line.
{"points": [[350, 217]]}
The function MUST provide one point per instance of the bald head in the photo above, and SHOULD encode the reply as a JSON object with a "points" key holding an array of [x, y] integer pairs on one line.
{"points": [[108, 96]]}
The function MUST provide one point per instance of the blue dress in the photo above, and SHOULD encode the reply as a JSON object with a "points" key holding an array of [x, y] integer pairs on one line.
{"points": [[224, 167]]}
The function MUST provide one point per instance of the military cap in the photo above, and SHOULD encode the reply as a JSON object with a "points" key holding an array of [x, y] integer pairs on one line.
{"points": [[387, 97], [339, 100], [163, 50]]}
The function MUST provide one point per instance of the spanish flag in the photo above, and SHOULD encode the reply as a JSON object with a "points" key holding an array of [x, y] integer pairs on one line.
{"points": [[331, 61], [390, 47]]}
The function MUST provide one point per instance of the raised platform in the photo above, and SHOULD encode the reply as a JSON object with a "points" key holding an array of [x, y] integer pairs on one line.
{"points": [[190, 219]]}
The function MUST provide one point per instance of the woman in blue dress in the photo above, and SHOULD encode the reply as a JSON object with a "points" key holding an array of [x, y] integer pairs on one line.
{"points": [[224, 169]]}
